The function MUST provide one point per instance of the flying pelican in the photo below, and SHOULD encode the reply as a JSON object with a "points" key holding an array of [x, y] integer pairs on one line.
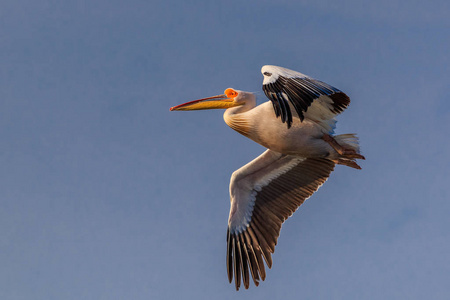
{"points": [[301, 153]]}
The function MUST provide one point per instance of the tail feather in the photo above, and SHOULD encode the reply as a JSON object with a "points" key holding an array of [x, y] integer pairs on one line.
{"points": [[349, 139]]}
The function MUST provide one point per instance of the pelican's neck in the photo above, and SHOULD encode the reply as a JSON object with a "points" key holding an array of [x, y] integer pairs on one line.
{"points": [[237, 118]]}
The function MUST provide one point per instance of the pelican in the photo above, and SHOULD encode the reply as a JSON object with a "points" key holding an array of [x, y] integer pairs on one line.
{"points": [[297, 128]]}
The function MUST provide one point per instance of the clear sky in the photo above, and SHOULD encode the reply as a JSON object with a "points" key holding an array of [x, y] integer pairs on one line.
{"points": [[106, 194]]}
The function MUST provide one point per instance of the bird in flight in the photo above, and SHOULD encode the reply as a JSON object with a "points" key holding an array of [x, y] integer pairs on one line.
{"points": [[297, 128]]}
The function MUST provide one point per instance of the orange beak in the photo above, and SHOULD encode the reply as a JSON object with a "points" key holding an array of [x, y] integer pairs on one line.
{"points": [[219, 101]]}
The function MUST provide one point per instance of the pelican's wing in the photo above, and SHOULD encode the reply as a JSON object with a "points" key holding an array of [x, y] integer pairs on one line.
{"points": [[310, 98], [264, 193]]}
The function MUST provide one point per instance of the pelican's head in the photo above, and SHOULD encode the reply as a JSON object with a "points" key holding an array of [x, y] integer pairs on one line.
{"points": [[230, 98]]}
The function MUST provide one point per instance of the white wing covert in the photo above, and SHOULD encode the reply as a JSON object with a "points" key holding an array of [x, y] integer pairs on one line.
{"points": [[264, 193]]}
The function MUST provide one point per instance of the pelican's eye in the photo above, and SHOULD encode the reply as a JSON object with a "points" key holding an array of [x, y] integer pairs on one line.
{"points": [[231, 93]]}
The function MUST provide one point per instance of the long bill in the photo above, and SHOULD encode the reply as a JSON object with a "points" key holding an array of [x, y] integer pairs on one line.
{"points": [[219, 101]]}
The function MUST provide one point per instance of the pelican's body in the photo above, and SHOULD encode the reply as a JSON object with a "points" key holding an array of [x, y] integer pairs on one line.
{"points": [[303, 138], [302, 152]]}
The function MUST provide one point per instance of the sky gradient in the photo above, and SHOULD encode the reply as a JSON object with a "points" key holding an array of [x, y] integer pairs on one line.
{"points": [[106, 194]]}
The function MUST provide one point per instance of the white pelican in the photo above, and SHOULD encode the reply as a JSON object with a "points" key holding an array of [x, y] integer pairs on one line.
{"points": [[302, 152]]}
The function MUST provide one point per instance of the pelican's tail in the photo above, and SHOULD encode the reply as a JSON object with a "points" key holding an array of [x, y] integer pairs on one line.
{"points": [[348, 140]]}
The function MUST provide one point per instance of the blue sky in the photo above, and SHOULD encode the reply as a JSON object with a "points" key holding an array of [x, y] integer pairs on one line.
{"points": [[106, 194]]}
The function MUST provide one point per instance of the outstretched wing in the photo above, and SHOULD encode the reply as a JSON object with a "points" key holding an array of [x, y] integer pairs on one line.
{"points": [[264, 193], [284, 87]]}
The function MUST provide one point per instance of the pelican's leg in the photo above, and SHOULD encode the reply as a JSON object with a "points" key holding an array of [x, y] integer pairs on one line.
{"points": [[346, 153], [347, 162]]}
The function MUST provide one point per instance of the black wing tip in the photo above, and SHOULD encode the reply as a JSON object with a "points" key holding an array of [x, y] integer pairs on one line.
{"points": [[340, 101], [243, 260]]}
